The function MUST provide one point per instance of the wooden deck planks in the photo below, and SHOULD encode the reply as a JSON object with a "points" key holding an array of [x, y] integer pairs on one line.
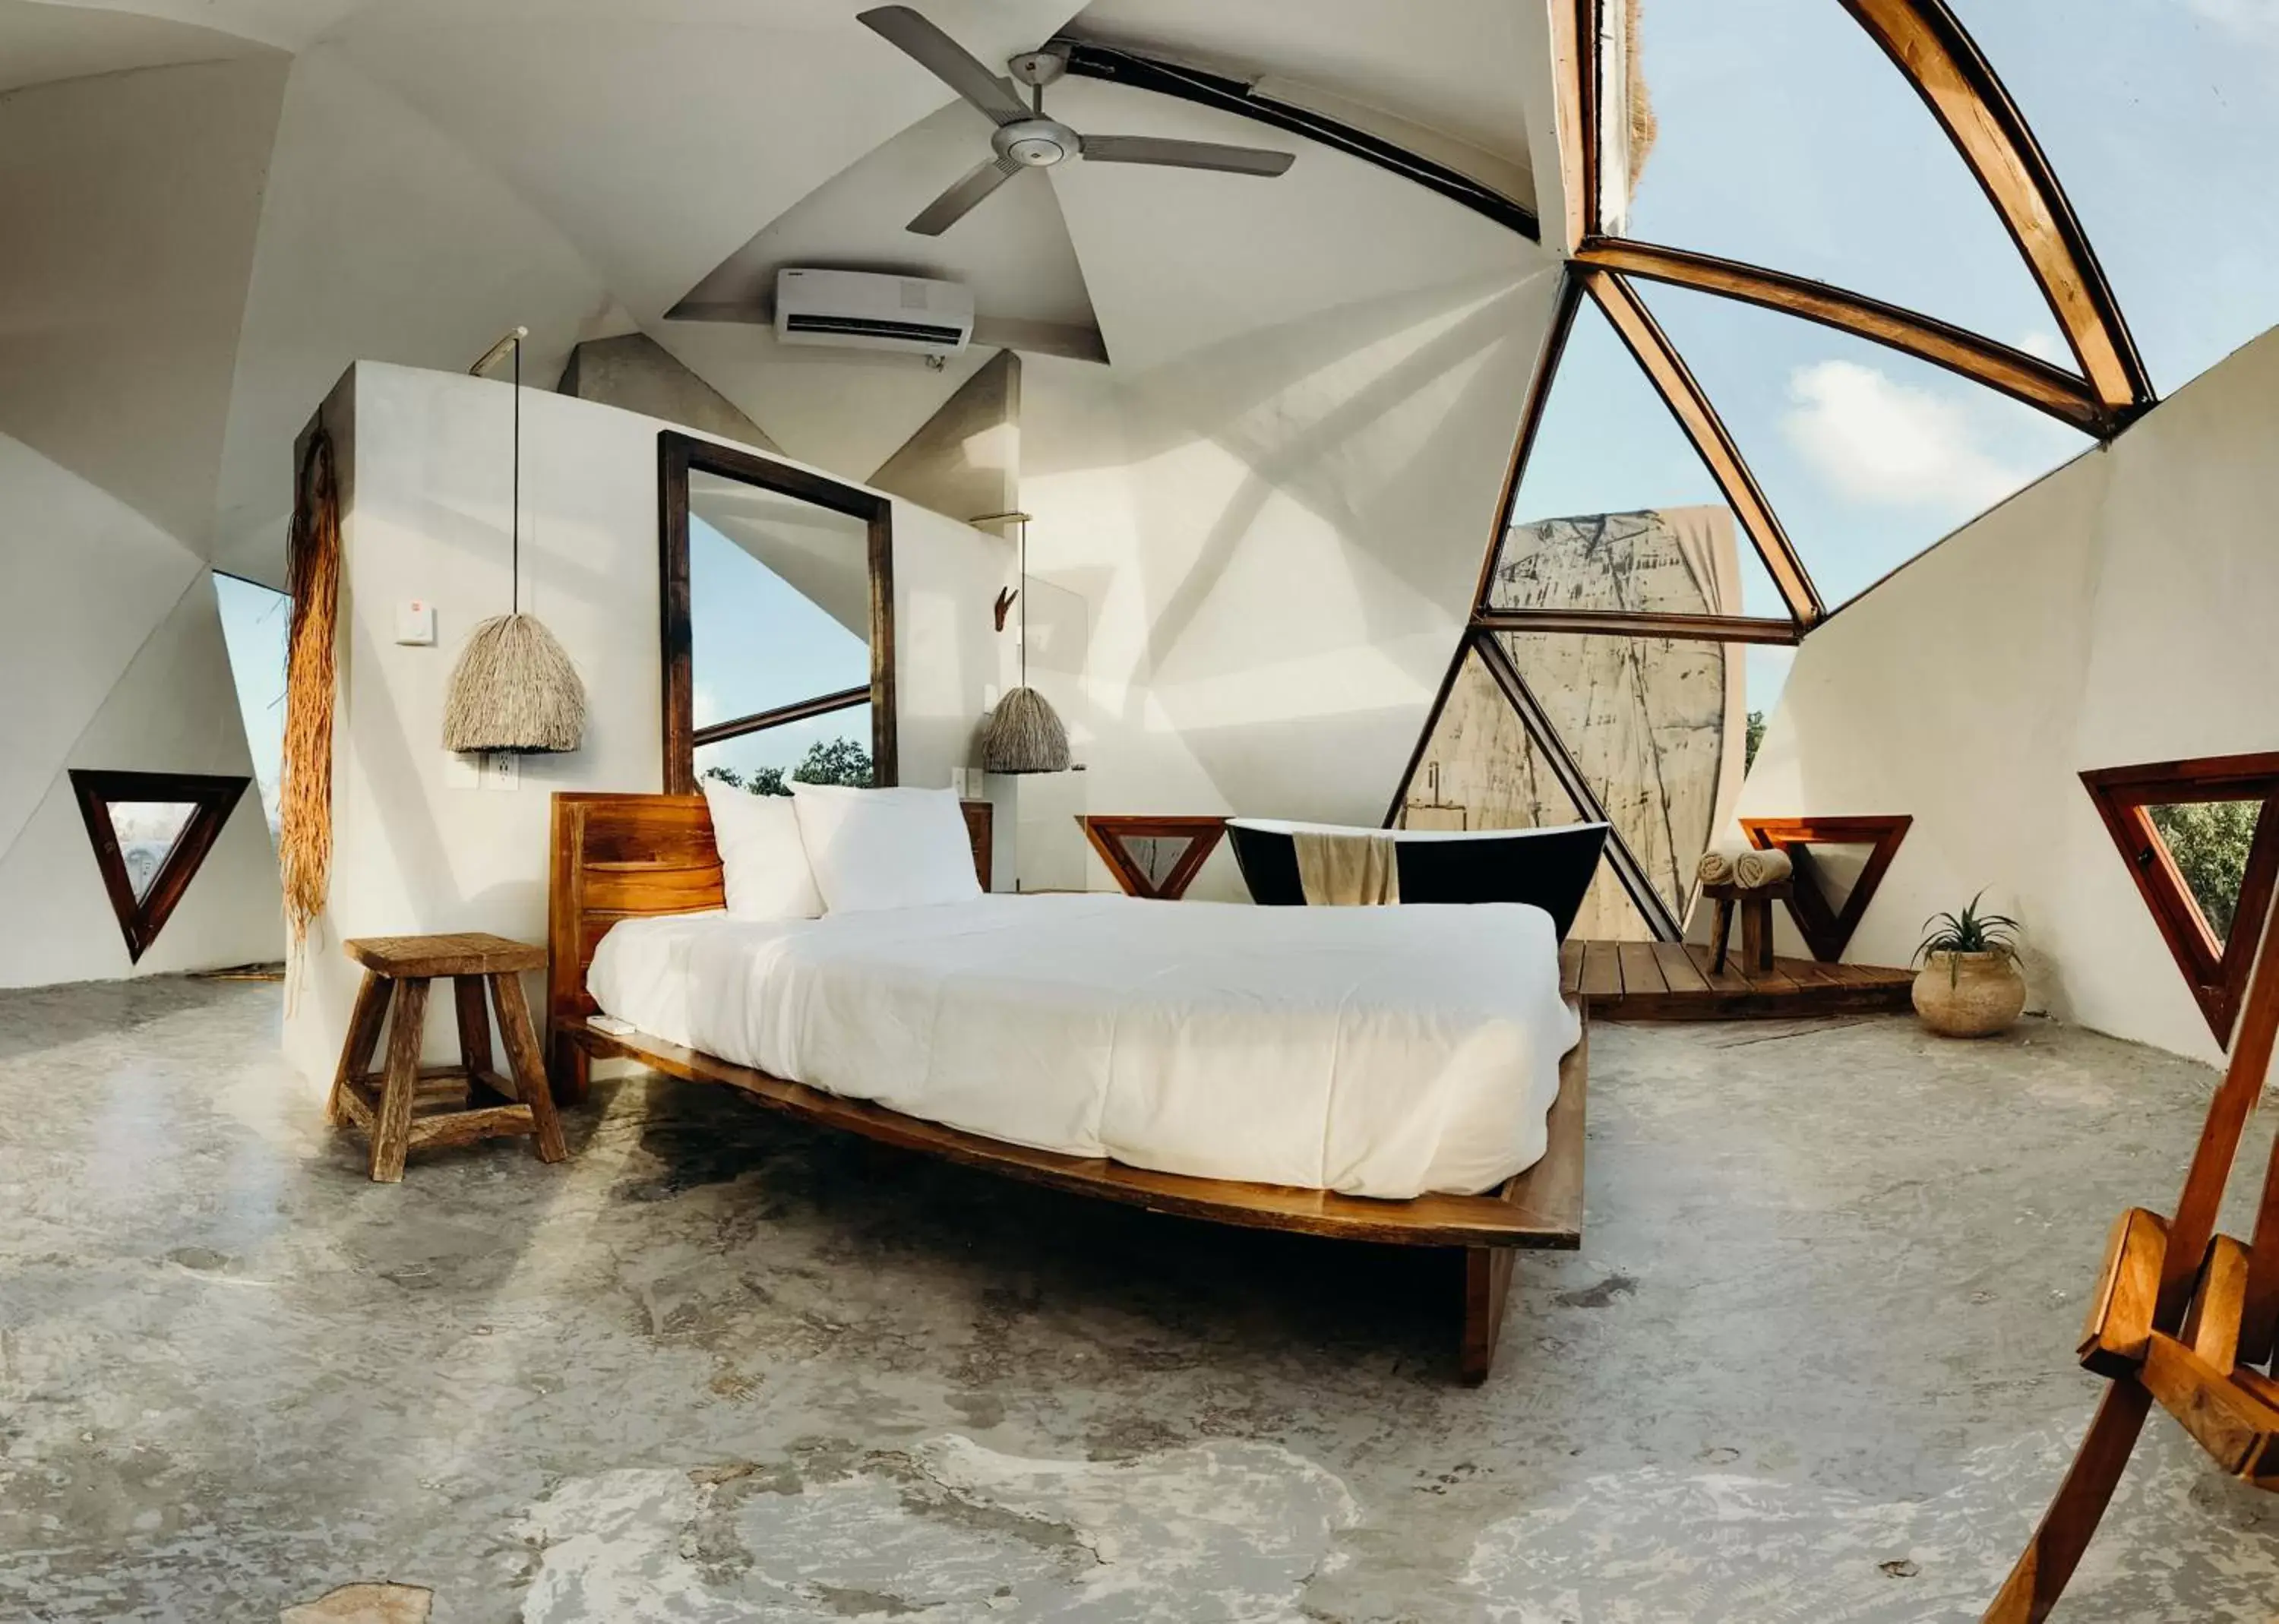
{"points": [[1642, 973], [1673, 981], [1601, 976]]}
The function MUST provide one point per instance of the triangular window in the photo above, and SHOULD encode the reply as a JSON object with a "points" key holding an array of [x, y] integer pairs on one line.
{"points": [[1839, 863], [1657, 728], [1616, 509], [150, 831], [1481, 769], [2201, 839]]}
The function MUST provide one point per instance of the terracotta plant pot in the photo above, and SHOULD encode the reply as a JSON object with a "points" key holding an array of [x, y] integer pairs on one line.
{"points": [[1969, 994]]}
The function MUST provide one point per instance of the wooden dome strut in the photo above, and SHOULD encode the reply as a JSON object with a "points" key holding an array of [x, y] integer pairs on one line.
{"points": [[2183, 1317]]}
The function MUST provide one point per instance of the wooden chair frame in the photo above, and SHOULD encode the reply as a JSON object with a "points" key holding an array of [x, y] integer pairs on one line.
{"points": [[628, 856], [2181, 1317]]}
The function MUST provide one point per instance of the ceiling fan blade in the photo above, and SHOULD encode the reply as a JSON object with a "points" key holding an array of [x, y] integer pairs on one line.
{"points": [[946, 59], [1186, 154], [955, 204]]}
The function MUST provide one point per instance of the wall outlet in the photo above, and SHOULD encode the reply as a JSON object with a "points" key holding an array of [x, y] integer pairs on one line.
{"points": [[502, 769], [415, 623]]}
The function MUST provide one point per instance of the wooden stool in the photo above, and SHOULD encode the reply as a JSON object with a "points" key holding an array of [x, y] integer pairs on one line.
{"points": [[1756, 921], [407, 1106]]}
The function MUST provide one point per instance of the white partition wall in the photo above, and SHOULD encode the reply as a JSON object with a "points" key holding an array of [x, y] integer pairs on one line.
{"points": [[2124, 610], [420, 844]]}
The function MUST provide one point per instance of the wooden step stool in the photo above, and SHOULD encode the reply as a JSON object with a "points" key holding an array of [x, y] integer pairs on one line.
{"points": [[405, 1106], [1756, 904]]}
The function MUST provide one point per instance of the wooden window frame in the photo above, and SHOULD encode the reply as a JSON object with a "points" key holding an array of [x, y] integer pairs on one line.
{"points": [[1698, 421], [678, 456], [2216, 972], [1826, 929], [212, 798], [1121, 66], [2023, 378], [1687, 402], [1932, 50]]}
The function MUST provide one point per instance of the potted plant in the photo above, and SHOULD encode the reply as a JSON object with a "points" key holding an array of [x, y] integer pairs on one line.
{"points": [[1970, 985]]}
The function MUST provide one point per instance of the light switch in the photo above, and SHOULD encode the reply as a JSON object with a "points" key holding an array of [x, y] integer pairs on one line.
{"points": [[415, 623]]}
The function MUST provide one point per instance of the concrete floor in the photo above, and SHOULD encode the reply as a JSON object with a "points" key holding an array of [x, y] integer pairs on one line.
{"points": [[1811, 1364]]}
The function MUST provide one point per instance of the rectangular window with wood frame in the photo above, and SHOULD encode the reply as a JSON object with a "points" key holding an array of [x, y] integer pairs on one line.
{"points": [[777, 622]]}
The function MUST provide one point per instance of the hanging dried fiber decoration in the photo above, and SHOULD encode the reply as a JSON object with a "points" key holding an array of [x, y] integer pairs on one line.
{"points": [[304, 841], [1024, 733], [513, 688]]}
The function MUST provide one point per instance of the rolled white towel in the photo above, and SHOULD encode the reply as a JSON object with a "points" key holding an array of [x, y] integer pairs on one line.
{"points": [[1752, 870], [1716, 868]]}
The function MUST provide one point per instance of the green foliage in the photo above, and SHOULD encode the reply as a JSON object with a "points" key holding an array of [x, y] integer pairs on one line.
{"points": [[836, 760], [1755, 737], [1968, 932], [760, 780], [827, 760], [2209, 842]]}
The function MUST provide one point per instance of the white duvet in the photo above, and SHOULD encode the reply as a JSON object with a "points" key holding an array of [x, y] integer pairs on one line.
{"points": [[1377, 1050]]}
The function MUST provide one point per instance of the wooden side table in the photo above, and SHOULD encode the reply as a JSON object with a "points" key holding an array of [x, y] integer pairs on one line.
{"points": [[404, 1107], [1756, 904], [1108, 834]]}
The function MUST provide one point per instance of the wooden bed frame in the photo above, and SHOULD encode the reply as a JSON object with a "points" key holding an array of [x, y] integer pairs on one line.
{"points": [[622, 856]]}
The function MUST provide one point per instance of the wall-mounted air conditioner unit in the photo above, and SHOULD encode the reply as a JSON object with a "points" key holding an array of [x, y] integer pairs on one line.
{"points": [[866, 310]]}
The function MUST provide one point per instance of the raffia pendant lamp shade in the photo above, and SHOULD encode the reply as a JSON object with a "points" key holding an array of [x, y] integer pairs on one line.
{"points": [[513, 688], [1024, 736]]}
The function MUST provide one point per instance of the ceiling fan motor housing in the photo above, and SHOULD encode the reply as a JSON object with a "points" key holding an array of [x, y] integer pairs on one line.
{"points": [[1037, 143]]}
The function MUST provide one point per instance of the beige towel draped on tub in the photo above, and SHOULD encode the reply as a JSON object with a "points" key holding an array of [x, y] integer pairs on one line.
{"points": [[1342, 870]]}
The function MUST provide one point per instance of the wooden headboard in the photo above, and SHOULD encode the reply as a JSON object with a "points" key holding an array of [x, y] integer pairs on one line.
{"points": [[628, 856]]}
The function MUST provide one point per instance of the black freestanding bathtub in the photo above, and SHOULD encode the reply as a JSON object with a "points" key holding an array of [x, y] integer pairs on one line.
{"points": [[1549, 868]]}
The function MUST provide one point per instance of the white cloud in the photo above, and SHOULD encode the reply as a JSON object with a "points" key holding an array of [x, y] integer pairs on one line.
{"points": [[1878, 441], [2043, 343], [2256, 21]]}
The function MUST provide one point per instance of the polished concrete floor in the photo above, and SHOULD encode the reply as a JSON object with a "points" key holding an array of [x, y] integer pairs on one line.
{"points": [[1810, 1364]]}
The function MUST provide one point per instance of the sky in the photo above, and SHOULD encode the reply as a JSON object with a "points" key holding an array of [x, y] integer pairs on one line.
{"points": [[756, 643], [254, 623]]}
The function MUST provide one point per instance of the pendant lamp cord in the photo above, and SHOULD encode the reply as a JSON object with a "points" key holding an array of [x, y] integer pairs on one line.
{"points": [[514, 588], [1022, 597]]}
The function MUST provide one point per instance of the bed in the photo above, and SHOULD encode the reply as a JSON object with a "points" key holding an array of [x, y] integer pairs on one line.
{"points": [[1405, 1076]]}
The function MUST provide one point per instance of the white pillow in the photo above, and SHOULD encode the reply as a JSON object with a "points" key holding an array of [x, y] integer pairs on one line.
{"points": [[878, 849], [763, 862]]}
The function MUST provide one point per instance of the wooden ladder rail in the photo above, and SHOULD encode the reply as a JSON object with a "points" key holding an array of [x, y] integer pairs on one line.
{"points": [[2063, 1534]]}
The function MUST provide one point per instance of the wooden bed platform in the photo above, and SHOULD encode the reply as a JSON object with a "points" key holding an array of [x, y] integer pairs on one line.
{"points": [[620, 856], [1672, 981]]}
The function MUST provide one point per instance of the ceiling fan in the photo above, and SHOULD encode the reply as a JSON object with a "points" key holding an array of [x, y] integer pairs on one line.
{"points": [[1025, 138]]}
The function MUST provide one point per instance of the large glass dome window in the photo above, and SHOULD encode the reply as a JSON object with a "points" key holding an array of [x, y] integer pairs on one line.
{"points": [[2161, 118], [1786, 139]]}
